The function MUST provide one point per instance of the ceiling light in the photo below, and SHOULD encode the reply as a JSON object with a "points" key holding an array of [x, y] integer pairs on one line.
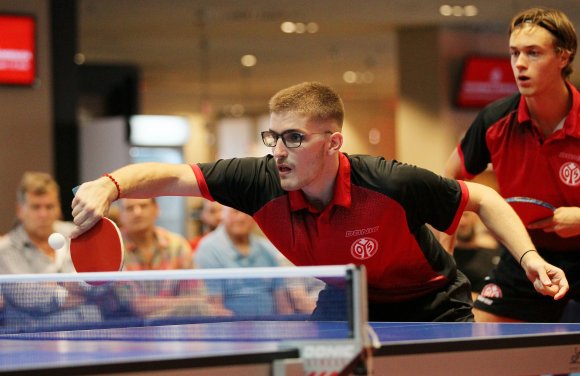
{"points": [[300, 28], [356, 77], [458, 10], [312, 27], [470, 10], [349, 77], [288, 27], [248, 60], [445, 10]]}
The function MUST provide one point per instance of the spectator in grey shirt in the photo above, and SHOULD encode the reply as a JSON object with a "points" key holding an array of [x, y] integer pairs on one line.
{"points": [[25, 250]]}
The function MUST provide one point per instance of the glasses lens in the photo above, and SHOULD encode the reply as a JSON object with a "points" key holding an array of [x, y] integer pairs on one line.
{"points": [[292, 139], [269, 138]]}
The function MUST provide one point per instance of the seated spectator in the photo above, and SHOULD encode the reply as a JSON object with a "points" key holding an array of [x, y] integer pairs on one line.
{"points": [[234, 245], [147, 246], [476, 251], [210, 217], [25, 250], [150, 247]]}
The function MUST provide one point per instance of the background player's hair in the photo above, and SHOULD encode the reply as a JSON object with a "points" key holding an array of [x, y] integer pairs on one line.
{"points": [[557, 23], [311, 99], [36, 183]]}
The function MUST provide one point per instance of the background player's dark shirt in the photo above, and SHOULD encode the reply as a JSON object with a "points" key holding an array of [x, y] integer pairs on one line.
{"points": [[377, 218], [525, 161]]}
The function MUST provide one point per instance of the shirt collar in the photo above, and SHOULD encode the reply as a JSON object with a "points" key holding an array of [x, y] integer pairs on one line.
{"points": [[571, 124], [341, 195]]}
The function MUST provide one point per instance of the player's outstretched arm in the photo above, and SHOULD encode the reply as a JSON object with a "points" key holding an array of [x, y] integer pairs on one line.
{"points": [[142, 180], [504, 223]]}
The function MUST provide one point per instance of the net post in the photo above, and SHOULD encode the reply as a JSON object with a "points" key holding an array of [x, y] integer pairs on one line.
{"points": [[337, 357]]}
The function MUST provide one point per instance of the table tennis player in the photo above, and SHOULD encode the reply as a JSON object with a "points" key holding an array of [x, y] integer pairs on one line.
{"points": [[532, 139], [320, 206]]}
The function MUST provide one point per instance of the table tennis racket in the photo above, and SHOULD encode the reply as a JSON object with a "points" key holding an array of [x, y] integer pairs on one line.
{"points": [[100, 249], [531, 209]]}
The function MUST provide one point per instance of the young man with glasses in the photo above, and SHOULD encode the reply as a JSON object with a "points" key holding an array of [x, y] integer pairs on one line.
{"points": [[532, 140], [320, 206]]}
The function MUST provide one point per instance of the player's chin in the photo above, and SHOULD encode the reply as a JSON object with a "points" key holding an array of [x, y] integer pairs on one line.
{"points": [[289, 184]]}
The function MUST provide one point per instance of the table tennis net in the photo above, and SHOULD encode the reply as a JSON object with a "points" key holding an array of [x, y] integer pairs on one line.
{"points": [[65, 302]]}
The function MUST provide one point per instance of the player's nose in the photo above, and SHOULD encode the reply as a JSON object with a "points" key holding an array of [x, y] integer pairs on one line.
{"points": [[280, 149]]}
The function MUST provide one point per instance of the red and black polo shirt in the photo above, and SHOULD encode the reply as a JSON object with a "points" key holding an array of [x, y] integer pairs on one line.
{"points": [[525, 161], [376, 218]]}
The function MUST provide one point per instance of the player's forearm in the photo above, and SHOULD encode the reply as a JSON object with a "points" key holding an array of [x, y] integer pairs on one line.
{"points": [[151, 179], [501, 220], [144, 180]]}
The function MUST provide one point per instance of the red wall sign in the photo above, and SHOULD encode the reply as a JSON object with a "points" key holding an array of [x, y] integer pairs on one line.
{"points": [[17, 49], [484, 80]]}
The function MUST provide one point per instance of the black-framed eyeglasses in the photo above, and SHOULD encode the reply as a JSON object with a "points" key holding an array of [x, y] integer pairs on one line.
{"points": [[290, 138]]}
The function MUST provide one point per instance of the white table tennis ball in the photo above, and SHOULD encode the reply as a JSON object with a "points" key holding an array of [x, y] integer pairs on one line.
{"points": [[56, 241]]}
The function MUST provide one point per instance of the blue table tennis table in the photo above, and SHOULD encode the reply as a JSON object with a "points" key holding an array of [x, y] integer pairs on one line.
{"points": [[235, 349]]}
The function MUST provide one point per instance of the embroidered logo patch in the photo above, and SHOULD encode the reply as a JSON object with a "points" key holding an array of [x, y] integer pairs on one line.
{"points": [[364, 248], [491, 290], [570, 174]]}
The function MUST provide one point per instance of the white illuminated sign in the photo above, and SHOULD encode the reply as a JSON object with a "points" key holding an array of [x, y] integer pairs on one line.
{"points": [[159, 130]]}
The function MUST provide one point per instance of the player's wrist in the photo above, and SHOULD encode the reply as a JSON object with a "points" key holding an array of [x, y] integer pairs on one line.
{"points": [[117, 191], [526, 256]]}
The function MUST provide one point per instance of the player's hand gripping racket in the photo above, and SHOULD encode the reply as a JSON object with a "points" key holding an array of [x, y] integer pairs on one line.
{"points": [[99, 249], [530, 209]]}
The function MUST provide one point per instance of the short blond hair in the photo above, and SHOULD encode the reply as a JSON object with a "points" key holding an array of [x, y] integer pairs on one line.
{"points": [[310, 99], [557, 24], [36, 183]]}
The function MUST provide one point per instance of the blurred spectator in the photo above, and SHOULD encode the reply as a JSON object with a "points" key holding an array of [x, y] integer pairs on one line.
{"points": [[25, 250], [147, 246], [234, 245], [210, 217], [150, 247], [476, 251]]}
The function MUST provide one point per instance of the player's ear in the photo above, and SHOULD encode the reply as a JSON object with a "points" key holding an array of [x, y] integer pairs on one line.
{"points": [[564, 58], [336, 140]]}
